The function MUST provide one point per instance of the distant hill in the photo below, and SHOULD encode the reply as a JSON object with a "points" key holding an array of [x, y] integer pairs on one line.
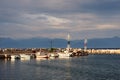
{"points": [[32, 43], [59, 43], [104, 43]]}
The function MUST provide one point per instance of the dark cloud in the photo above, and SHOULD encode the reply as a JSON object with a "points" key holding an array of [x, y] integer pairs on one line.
{"points": [[35, 18], [102, 7]]}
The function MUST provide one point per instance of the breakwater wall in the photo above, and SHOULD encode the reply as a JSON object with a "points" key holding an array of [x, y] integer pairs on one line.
{"points": [[103, 51], [46, 50], [18, 50]]}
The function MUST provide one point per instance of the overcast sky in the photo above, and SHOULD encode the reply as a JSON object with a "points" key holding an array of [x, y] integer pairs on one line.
{"points": [[56, 18]]}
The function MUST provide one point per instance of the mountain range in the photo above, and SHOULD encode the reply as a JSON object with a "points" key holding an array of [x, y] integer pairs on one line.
{"points": [[59, 43]]}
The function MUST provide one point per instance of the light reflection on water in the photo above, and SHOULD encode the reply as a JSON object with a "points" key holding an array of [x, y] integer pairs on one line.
{"points": [[92, 67]]}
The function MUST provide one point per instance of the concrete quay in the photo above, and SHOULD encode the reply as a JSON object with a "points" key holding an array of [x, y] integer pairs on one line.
{"points": [[103, 51], [46, 50], [18, 50]]}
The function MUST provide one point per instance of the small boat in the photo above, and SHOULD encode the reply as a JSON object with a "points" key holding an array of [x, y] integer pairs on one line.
{"points": [[25, 56], [65, 54], [15, 57], [54, 54], [41, 55]]}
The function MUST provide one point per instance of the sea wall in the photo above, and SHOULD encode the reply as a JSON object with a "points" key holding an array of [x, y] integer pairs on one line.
{"points": [[33, 50], [103, 51]]}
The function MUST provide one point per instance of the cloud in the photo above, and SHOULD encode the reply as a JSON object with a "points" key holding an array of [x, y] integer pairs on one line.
{"points": [[43, 18], [103, 7], [107, 26]]}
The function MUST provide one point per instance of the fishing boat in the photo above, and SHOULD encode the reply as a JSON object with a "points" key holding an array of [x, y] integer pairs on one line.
{"points": [[15, 57], [67, 52], [41, 55], [25, 56], [54, 54]]}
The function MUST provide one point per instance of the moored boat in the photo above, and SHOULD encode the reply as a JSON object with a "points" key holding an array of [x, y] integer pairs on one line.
{"points": [[25, 56], [15, 57], [42, 55], [54, 54], [67, 52]]}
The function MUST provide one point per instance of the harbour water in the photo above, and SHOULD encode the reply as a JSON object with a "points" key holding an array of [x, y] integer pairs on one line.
{"points": [[91, 67]]}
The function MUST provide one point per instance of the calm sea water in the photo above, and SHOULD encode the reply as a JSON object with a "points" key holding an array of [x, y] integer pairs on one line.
{"points": [[92, 67]]}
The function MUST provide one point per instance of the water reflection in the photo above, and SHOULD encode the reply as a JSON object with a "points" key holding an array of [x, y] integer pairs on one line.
{"points": [[77, 68]]}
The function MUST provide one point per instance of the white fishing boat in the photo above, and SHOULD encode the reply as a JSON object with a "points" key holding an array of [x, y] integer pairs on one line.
{"points": [[15, 57], [54, 54], [41, 55], [67, 52], [25, 56]]}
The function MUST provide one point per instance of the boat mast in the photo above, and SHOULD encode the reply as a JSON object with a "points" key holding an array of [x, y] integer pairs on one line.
{"points": [[51, 44], [68, 43], [85, 44]]}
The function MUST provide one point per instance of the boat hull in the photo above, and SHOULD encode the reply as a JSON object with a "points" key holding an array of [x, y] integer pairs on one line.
{"points": [[24, 56], [54, 55], [15, 57], [65, 54], [42, 56]]}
